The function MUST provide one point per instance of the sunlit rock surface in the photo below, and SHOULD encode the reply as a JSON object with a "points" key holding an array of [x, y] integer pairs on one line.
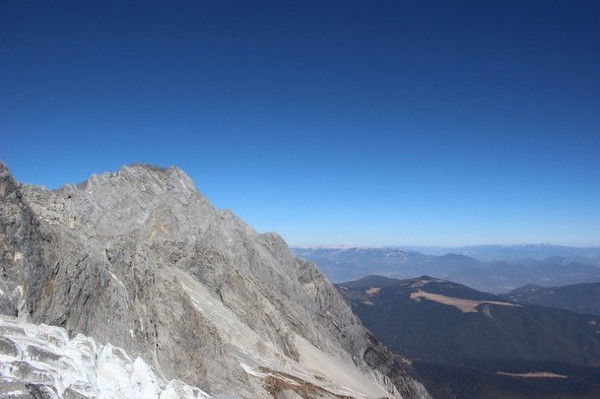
{"points": [[140, 259]]}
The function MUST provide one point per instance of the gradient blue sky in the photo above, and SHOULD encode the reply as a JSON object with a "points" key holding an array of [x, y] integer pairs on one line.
{"points": [[330, 122]]}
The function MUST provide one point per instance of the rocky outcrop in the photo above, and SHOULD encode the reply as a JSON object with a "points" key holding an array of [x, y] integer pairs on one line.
{"points": [[141, 260]]}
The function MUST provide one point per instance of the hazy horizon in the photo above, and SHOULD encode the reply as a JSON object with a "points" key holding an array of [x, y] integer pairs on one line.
{"points": [[409, 246], [345, 122]]}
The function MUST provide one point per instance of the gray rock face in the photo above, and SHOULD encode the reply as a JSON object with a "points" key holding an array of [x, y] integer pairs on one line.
{"points": [[140, 259]]}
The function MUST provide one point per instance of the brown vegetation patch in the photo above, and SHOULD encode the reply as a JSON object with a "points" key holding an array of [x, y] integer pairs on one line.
{"points": [[48, 287], [373, 291], [277, 383]]}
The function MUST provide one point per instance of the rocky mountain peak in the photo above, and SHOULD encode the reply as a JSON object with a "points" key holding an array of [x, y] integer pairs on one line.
{"points": [[146, 179], [141, 260]]}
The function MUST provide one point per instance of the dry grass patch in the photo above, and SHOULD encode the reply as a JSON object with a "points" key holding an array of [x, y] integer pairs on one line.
{"points": [[465, 305], [534, 374], [373, 291]]}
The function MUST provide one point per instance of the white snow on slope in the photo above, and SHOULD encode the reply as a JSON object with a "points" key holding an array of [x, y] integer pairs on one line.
{"points": [[42, 359]]}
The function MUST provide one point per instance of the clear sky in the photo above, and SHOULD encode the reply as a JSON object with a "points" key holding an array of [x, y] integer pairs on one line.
{"points": [[330, 122]]}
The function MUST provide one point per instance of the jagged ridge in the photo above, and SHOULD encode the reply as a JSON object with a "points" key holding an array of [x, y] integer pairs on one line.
{"points": [[140, 259]]}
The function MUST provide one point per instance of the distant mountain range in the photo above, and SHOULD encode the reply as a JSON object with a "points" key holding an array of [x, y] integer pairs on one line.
{"points": [[582, 298], [473, 344], [345, 264], [489, 253]]}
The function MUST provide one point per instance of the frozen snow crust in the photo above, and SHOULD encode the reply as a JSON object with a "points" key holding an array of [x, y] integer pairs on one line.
{"points": [[41, 361]]}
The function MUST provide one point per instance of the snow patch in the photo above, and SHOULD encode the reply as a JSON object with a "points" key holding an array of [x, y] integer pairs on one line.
{"points": [[252, 371]]}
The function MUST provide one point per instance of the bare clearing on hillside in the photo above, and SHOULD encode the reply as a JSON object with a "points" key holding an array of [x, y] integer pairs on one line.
{"points": [[465, 305], [534, 374]]}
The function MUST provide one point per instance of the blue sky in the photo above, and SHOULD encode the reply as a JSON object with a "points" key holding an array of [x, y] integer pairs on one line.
{"points": [[330, 122]]}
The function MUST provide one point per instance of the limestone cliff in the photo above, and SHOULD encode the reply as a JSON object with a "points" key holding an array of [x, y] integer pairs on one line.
{"points": [[141, 260]]}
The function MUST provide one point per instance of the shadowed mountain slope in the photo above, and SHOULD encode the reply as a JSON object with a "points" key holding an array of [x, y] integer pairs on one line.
{"points": [[582, 298], [473, 345], [437, 320]]}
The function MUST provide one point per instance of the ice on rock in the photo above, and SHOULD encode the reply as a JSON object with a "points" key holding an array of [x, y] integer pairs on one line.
{"points": [[177, 389], [143, 380], [43, 357]]}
